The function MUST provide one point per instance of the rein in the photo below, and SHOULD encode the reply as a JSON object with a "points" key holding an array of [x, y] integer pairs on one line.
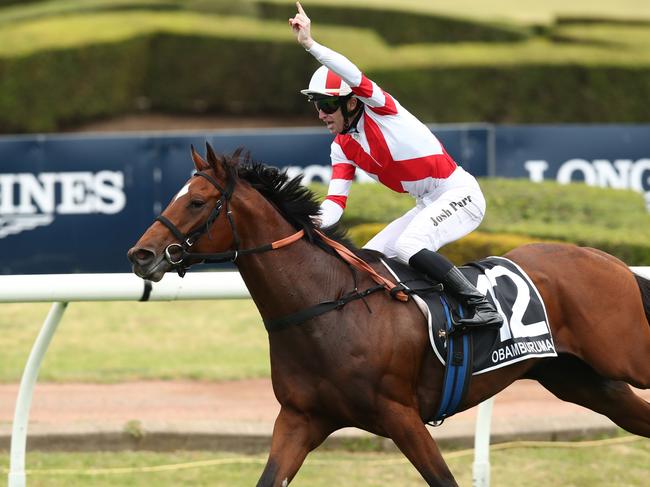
{"points": [[351, 258], [181, 254], [231, 255]]}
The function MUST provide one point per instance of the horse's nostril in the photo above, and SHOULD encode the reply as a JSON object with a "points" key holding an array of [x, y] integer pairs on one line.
{"points": [[141, 256]]}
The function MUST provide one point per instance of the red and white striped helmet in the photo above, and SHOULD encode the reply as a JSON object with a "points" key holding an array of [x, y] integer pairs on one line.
{"points": [[326, 83]]}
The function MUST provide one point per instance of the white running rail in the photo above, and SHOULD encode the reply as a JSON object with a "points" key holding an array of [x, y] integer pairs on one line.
{"points": [[61, 289]]}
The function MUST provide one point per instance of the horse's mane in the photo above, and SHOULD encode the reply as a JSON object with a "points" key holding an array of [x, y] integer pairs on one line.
{"points": [[297, 203]]}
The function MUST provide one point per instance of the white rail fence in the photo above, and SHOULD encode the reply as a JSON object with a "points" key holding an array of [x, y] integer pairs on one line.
{"points": [[61, 289]]}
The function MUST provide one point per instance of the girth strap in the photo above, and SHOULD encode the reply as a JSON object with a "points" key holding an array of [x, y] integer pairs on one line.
{"points": [[317, 310], [458, 367]]}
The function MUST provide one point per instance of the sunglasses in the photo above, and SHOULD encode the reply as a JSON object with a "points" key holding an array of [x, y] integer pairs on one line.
{"points": [[328, 105]]}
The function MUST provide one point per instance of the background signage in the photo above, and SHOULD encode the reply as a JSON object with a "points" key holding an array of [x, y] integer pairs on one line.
{"points": [[615, 156], [77, 203]]}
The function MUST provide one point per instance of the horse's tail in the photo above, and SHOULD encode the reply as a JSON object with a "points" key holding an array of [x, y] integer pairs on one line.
{"points": [[644, 287]]}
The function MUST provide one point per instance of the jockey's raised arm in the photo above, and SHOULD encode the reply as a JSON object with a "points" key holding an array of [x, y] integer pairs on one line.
{"points": [[364, 88], [376, 134]]}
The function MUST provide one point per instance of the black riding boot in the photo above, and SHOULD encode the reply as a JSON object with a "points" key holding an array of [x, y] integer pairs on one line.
{"points": [[442, 270]]}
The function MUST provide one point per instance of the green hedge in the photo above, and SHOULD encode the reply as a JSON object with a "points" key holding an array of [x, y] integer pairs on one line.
{"points": [[522, 94], [517, 201], [188, 62], [615, 221], [197, 74], [234, 76], [4, 3], [48, 90], [474, 246], [179, 74], [401, 26]]}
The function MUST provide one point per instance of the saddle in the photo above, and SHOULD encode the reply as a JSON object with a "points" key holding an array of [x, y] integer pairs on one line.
{"points": [[465, 352]]}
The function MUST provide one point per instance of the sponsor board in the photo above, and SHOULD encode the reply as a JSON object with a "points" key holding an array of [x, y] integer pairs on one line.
{"points": [[77, 203], [30, 200], [611, 156]]}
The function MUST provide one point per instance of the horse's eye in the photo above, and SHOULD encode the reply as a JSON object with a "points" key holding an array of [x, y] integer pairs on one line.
{"points": [[197, 203]]}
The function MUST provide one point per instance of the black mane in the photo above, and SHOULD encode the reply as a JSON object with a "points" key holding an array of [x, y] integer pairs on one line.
{"points": [[297, 203]]}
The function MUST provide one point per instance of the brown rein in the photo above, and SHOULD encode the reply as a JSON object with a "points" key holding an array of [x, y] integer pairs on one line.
{"points": [[348, 256], [306, 314], [287, 240], [356, 261]]}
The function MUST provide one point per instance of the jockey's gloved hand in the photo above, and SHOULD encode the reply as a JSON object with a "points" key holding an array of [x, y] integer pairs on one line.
{"points": [[316, 220]]}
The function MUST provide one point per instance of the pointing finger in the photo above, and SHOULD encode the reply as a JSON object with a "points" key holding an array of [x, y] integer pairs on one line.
{"points": [[300, 9]]}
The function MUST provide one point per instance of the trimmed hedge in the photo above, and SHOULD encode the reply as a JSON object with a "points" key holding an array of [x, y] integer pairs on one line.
{"points": [[402, 27], [48, 90], [166, 73], [474, 246], [234, 76], [195, 74], [522, 94], [512, 202], [615, 221], [4, 3], [188, 62]]}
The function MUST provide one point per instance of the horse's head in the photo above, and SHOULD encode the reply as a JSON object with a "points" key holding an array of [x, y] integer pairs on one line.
{"points": [[196, 218]]}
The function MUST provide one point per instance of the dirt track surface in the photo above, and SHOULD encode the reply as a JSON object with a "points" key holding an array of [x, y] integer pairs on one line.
{"points": [[250, 401]]}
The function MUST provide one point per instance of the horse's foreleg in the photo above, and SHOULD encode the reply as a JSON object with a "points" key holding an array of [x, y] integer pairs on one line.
{"points": [[294, 436], [404, 426]]}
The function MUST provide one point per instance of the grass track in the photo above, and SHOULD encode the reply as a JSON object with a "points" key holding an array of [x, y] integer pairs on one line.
{"points": [[122, 341], [620, 465]]}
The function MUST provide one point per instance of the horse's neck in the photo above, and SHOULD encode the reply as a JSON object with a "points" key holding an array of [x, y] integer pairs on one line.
{"points": [[290, 278]]}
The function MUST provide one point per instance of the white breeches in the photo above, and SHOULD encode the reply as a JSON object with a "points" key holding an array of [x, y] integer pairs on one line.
{"points": [[432, 224]]}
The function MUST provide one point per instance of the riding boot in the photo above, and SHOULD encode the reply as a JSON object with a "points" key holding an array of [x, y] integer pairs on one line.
{"points": [[484, 312], [442, 270]]}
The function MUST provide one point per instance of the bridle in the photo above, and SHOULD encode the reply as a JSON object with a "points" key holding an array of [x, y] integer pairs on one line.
{"points": [[188, 240]]}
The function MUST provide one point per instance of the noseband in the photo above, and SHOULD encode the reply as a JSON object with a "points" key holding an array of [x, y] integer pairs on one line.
{"points": [[187, 240]]}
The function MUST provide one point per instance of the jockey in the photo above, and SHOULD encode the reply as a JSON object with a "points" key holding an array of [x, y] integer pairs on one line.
{"points": [[375, 133]]}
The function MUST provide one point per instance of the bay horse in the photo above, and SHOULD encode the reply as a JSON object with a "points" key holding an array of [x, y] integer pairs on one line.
{"points": [[369, 364]]}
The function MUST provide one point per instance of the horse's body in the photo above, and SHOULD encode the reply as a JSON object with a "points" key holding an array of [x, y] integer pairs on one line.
{"points": [[376, 371]]}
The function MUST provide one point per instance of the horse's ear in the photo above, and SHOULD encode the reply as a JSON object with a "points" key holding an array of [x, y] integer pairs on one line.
{"points": [[212, 155], [199, 162], [217, 162]]}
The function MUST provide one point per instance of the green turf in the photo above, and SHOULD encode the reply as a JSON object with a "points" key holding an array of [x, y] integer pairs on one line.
{"points": [[121, 341], [580, 465]]}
